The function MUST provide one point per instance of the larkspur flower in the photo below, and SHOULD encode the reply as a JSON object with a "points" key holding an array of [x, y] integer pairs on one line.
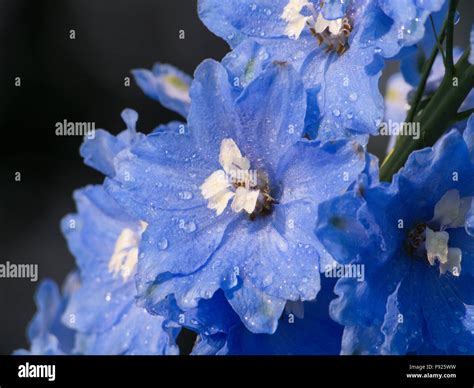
{"points": [[337, 46], [104, 239], [167, 85], [415, 237], [230, 198], [46, 333]]}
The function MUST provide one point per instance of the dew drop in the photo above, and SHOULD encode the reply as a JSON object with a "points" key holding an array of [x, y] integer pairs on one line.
{"points": [[268, 280], [336, 112], [163, 243], [185, 195], [457, 17], [353, 96], [108, 297]]}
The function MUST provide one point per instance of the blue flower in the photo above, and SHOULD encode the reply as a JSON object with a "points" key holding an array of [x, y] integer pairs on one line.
{"points": [[415, 238], [46, 333], [167, 85], [304, 329], [104, 239], [338, 48], [230, 200]]}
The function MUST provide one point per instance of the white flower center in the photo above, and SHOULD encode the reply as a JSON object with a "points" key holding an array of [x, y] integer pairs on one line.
{"points": [[450, 212], [234, 181], [333, 34], [125, 256]]}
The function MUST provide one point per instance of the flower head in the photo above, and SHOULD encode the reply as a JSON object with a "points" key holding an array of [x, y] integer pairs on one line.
{"points": [[260, 251], [415, 239]]}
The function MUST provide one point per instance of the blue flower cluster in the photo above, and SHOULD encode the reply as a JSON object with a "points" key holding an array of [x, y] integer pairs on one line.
{"points": [[247, 221]]}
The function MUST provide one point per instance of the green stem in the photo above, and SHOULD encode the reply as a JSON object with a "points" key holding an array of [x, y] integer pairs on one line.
{"points": [[419, 113], [426, 73], [450, 37], [438, 43], [435, 118]]}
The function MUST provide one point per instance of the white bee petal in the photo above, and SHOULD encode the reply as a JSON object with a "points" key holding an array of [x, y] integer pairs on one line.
{"points": [[296, 21], [437, 246], [453, 264], [447, 208], [214, 184], [245, 200], [231, 158]]}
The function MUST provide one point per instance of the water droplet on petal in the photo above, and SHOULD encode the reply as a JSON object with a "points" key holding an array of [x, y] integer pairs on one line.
{"points": [[185, 195], [163, 244], [457, 17], [336, 112]]}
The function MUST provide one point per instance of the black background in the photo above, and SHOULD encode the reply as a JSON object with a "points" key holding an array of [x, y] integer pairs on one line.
{"points": [[78, 80]]}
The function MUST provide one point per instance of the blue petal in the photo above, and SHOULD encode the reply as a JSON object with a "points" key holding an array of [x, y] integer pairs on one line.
{"points": [[312, 334], [180, 242], [271, 110], [258, 311], [47, 335], [163, 171], [211, 317], [334, 9], [212, 116], [344, 87], [99, 152], [137, 333], [103, 308], [435, 167], [167, 85], [300, 170], [469, 136], [91, 234], [235, 20], [403, 326], [361, 340], [245, 63], [441, 309], [409, 17]]}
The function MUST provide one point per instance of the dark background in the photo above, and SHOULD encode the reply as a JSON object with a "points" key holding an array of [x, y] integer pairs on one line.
{"points": [[77, 80]]}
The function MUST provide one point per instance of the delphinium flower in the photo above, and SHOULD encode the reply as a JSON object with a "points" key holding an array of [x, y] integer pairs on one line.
{"points": [[230, 198], [338, 47], [104, 240], [46, 333], [167, 85], [415, 237]]}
